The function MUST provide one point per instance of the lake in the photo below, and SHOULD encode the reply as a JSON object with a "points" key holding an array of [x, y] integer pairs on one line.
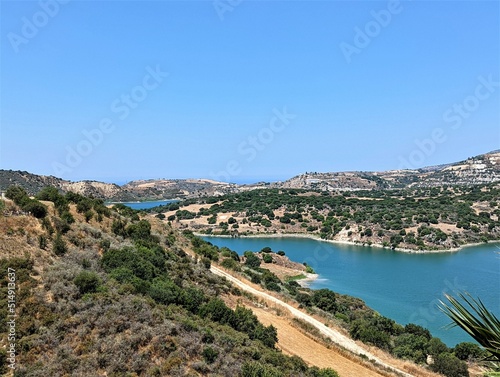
{"points": [[147, 205], [403, 286]]}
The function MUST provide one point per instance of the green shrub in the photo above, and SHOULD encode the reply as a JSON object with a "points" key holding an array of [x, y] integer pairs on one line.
{"points": [[17, 194], [210, 354], [59, 246], [230, 264], [252, 260], [324, 299], [35, 208], [449, 365], [42, 241], [87, 282], [164, 291], [468, 351]]}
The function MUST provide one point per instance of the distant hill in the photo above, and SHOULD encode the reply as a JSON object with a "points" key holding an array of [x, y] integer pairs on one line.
{"points": [[132, 191], [33, 183], [475, 170], [480, 169]]}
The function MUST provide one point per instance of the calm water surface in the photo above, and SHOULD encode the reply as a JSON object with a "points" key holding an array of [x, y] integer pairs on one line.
{"points": [[147, 205], [402, 286]]}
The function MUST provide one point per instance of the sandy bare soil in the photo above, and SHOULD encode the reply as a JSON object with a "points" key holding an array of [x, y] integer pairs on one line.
{"points": [[338, 338], [293, 342]]}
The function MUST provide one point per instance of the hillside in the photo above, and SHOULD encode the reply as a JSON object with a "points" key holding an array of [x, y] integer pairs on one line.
{"points": [[132, 191], [481, 169], [116, 295], [418, 219], [179, 188], [103, 291]]}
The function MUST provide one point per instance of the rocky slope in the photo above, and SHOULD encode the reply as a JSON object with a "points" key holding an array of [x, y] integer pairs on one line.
{"points": [[475, 170], [132, 191]]}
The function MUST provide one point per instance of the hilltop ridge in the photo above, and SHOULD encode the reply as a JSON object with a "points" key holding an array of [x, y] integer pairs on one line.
{"points": [[480, 169]]}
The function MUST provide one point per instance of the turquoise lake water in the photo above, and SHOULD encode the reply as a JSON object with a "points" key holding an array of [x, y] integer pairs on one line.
{"points": [[147, 205], [402, 286]]}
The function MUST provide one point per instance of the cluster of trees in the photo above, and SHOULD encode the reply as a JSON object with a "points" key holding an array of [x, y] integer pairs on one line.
{"points": [[61, 222], [411, 342], [385, 215], [22, 199]]}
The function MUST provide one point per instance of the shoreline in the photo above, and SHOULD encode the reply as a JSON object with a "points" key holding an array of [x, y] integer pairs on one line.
{"points": [[306, 281], [350, 243], [143, 201]]}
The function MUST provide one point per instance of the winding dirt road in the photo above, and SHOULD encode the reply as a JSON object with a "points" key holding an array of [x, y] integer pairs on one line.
{"points": [[334, 335]]}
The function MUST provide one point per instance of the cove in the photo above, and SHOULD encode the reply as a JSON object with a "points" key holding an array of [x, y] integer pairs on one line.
{"points": [[147, 205], [403, 286]]}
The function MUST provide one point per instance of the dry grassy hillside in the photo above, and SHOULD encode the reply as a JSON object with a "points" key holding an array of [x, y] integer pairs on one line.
{"points": [[104, 292]]}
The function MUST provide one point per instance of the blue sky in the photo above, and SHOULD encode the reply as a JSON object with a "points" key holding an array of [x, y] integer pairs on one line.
{"points": [[244, 91]]}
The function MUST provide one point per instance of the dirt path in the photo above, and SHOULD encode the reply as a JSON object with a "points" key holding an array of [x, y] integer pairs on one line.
{"points": [[293, 342], [334, 335]]}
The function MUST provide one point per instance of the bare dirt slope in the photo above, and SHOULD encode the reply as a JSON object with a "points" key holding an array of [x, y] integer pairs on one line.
{"points": [[293, 342], [338, 338]]}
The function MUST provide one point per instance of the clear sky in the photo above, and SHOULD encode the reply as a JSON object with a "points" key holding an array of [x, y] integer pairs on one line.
{"points": [[244, 91]]}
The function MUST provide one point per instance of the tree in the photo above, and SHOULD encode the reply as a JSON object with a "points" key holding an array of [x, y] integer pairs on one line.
{"points": [[252, 260], [267, 258], [140, 230], [36, 208], [468, 351], [418, 330], [59, 246], [164, 291], [325, 299], [325, 372], [87, 282], [447, 364], [17, 194], [210, 354], [267, 335], [437, 347], [217, 311], [412, 347]]}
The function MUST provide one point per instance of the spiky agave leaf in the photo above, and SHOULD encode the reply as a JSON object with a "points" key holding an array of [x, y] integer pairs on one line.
{"points": [[476, 320]]}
